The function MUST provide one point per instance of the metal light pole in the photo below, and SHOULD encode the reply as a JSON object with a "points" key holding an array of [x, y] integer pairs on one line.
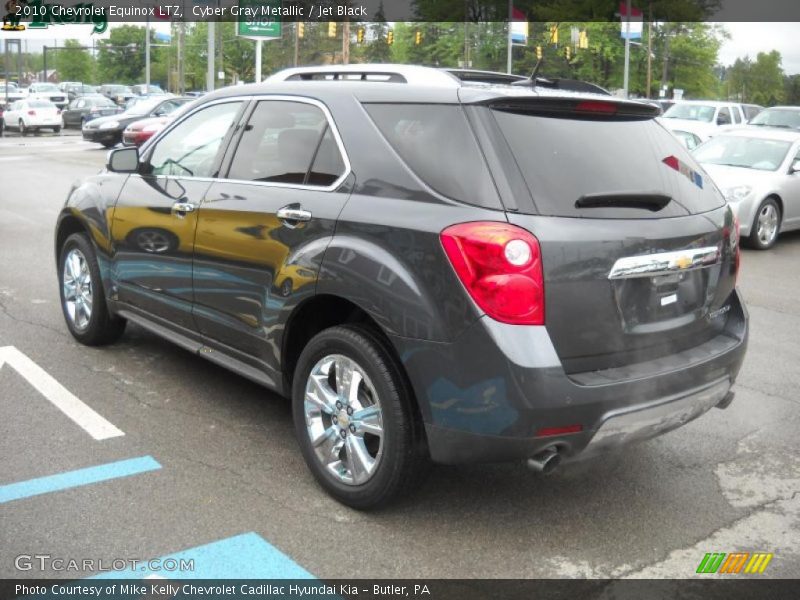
{"points": [[147, 57], [510, 43], [259, 50]]}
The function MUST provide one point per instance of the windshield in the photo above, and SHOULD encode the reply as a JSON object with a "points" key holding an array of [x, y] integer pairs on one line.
{"points": [[45, 87], [745, 152], [117, 89], [144, 107], [41, 104], [778, 117], [692, 112], [100, 101]]}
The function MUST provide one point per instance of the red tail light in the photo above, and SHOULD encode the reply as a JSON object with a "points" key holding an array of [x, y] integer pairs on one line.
{"points": [[32, 113], [501, 267], [597, 106]]}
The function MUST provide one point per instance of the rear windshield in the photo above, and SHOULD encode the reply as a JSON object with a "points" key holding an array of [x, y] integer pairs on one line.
{"points": [[692, 112], [437, 144], [564, 160]]}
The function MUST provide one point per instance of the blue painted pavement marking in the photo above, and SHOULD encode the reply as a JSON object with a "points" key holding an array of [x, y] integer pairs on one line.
{"points": [[245, 556], [70, 479]]}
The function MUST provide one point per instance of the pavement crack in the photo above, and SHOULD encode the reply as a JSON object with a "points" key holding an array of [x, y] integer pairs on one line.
{"points": [[7, 312]]}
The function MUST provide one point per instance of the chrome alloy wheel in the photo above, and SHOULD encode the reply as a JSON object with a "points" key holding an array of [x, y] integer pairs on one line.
{"points": [[77, 289], [344, 419], [151, 241], [767, 224]]}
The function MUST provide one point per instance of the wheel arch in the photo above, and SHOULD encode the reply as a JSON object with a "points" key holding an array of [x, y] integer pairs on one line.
{"points": [[323, 311]]}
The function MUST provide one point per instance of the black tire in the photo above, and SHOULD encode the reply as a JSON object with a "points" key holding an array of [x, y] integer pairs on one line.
{"points": [[403, 460], [56, 130], [109, 144], [102, 327], [755, 240], [23, 131]]}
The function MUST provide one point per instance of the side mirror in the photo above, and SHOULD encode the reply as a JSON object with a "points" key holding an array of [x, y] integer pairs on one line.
{"points": [[795, 168], [123, 160]]}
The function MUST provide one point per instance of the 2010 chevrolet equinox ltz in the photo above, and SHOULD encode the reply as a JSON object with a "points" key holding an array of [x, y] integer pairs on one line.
{"points": [[431, 269]]}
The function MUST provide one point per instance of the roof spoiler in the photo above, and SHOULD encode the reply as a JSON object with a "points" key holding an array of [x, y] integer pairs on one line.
{"points": [[578, 107]]}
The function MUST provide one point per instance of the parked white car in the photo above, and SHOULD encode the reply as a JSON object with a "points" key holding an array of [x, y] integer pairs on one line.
{"points": [[758, 172], [702, 119], [32, 115], [49, 92]]}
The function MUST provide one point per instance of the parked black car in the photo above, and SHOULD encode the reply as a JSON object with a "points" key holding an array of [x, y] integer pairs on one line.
{"points": [[87, 108], [430, 269], [108, 130]]}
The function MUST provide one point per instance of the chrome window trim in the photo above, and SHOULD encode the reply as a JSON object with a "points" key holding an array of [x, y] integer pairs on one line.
{"points": [[664, 263], [267, 98]]}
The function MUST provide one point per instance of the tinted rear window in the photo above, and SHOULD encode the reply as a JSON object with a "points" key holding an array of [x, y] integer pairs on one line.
{"points": [[437, 143], [563, 160]]}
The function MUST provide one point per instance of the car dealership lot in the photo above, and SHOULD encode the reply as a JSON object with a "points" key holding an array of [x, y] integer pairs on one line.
{"points": [[218, 460]]}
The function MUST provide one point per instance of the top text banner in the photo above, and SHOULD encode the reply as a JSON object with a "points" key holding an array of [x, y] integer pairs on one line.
{"points": [[40, 14]]}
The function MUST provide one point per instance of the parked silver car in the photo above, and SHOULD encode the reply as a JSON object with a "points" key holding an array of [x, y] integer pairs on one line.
{"points": [[758, 172]]}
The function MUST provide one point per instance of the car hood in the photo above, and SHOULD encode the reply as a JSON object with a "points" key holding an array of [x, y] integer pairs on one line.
{"points": [[119, 117], [699, 128], [726, 177], [142, 123]]}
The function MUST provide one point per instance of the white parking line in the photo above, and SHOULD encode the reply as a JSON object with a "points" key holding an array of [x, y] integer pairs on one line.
{"points": [[84, 416]]}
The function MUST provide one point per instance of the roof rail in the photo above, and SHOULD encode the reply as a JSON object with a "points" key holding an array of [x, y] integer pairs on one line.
{"points": [[387, 73]]}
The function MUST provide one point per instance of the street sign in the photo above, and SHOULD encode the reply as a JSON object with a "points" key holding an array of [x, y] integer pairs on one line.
{"points": [[259, 27]]}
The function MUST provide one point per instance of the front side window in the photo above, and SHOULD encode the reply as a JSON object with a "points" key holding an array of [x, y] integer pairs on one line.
{"points": [[191, 148], [287, 142]]}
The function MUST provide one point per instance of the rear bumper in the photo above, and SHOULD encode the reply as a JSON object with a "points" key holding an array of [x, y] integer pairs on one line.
{"points": [[486, 396]]}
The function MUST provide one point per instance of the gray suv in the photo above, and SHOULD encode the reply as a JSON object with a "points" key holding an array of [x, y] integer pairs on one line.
{"points": [[431, 269]]}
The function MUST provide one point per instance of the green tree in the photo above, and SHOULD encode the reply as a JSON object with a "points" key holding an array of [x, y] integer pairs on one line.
{"points": [[74, 63], [377, 50], [120, 58], [791, 89], [760, 81]]}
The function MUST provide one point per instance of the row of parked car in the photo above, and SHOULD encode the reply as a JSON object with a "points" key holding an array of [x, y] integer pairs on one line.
{"points": [[752, 155]]}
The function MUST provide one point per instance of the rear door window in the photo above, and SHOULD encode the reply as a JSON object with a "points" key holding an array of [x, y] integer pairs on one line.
{"points": [[437, 144], [288, 142], [563, 160]]}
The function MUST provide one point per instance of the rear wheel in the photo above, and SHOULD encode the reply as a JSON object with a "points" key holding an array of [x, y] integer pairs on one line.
{"points": [[22, 129], [355, 419], [83, 301], [766, 225]]}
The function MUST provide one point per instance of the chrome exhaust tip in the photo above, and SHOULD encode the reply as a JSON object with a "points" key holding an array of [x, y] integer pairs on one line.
{"points": [[545, 462]]}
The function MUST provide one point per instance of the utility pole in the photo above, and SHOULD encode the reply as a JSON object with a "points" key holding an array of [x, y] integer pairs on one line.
{"points": [[296, 42], [346, 42], [649, 48], [626, 73], [210, 74], [181, 50], [259, 50], [147, 57], [509, 40]]}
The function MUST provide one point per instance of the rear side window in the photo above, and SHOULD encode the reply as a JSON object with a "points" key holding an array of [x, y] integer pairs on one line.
{"points": [[563, 160], [437, 144]]}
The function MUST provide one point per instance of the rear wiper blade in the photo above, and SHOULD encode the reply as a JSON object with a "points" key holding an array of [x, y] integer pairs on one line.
{"points": [[646, 201]]}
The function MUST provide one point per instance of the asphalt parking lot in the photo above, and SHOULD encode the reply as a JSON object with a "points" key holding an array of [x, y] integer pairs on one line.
{"points": [[208, 467]]}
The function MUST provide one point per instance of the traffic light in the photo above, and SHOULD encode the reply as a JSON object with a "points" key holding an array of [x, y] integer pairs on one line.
{"points": [[583, 40], [332, 29], [554, 34], [301, 29], [360, 35], [568, 52], [390, 37], [538, 53], [418, 38]]}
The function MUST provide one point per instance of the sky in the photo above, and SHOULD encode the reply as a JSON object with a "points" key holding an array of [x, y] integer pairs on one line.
{"points": [[752, 38], [746, 39]]}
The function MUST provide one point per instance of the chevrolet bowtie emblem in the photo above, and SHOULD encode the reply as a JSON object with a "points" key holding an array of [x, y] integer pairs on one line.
{"points": [[683, 262]]}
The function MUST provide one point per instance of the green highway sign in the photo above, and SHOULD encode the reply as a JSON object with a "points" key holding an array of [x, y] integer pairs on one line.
{"points": [[260, 19]]}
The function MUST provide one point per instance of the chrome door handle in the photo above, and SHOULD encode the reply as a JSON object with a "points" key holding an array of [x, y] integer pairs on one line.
{"points": [[288, 213], [180, 209]]}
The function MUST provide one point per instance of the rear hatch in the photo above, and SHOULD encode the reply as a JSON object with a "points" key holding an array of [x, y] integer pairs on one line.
{"points": [[637, 254]]}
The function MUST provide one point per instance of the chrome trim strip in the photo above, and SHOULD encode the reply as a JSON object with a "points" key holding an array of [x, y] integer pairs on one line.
{"points": [[664, 263]]}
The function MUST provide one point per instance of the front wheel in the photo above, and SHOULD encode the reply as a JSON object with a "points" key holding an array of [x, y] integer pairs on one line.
{"points": [[354, 418], [766, 225], [83, 301]]}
